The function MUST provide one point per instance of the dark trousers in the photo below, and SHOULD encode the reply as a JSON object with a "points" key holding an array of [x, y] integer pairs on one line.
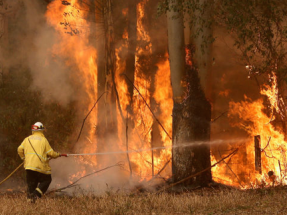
{"points": [[36, 181]]}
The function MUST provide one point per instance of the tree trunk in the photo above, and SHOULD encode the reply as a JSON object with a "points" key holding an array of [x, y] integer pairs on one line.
{"points": [[176, 50], [191, 114], [101, 78], [203, 46], [107, 110], [132, 42], [191, 126], [111, 110]]}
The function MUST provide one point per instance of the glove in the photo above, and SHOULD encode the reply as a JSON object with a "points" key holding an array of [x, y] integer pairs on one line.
{"points": [[63, 155]]}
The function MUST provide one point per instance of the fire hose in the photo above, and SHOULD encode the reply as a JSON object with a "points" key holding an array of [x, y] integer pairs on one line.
{"points": [[136, 151], [92, 154], [11, 173]]}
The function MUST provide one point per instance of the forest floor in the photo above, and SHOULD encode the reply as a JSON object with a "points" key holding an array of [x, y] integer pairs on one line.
{"points": [[203, 201]]}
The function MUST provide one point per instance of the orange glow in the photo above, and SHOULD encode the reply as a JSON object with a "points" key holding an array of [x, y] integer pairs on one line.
{"points": [[76, 176], [142, 118], [224, 93], [163, 97], [250, 116], [272, 94], [72, 45], [140, 134]]}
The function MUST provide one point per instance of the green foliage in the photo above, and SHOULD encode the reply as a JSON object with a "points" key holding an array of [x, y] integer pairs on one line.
{"points": [[259, 30]]}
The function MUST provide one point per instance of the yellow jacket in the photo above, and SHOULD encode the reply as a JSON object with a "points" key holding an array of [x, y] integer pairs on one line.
{"points": [[43, 150]]}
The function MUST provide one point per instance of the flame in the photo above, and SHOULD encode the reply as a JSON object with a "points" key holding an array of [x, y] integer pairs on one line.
{"points": [[142, 118], [272, 94], [140, 135], [163, 97], [224, 93], [76, 176], [251, 117], [72, 29], [73, 47]]}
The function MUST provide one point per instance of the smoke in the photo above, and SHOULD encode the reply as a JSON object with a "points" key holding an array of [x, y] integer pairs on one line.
{"points": [[33, 40], [69, 170], [50, 75]]}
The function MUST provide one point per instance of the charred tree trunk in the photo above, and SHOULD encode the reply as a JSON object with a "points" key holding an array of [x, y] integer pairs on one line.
{"points": [[101, 79], [192, 113], [191, 126], [257, 147], [107, 112], [132, 42], [111, 114]]}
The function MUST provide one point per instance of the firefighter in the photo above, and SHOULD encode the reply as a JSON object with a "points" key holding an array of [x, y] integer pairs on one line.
{"points": [[36, 152]]}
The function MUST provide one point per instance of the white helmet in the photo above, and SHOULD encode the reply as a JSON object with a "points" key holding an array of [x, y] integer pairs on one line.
{"points": [[38, 126]]}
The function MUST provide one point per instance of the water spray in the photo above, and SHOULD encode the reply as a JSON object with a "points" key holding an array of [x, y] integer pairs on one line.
{"points": [[195, 143]]}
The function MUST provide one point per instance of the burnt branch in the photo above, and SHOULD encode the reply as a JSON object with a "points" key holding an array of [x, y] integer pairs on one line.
{"points": [[119, 164], [266, 144], [118, 98], [227, 164], [127, 146], [88, 115], [216, 118], [269, 156], [147, 105], [165, 165]]}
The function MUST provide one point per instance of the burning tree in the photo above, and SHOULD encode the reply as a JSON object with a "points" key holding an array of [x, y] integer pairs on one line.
{"points": [[139, 98], [154, 97], [128, 50], [191, 111], [259, 32]]}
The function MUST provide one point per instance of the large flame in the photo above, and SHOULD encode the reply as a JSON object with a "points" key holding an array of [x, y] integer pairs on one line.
{"points": [[140, 137], [73, 46], [251, 116], [74, 49], [71, 25]]}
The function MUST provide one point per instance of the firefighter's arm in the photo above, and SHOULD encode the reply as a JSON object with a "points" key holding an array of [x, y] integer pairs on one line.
{"points": [[21, 151], [50, 152]]}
